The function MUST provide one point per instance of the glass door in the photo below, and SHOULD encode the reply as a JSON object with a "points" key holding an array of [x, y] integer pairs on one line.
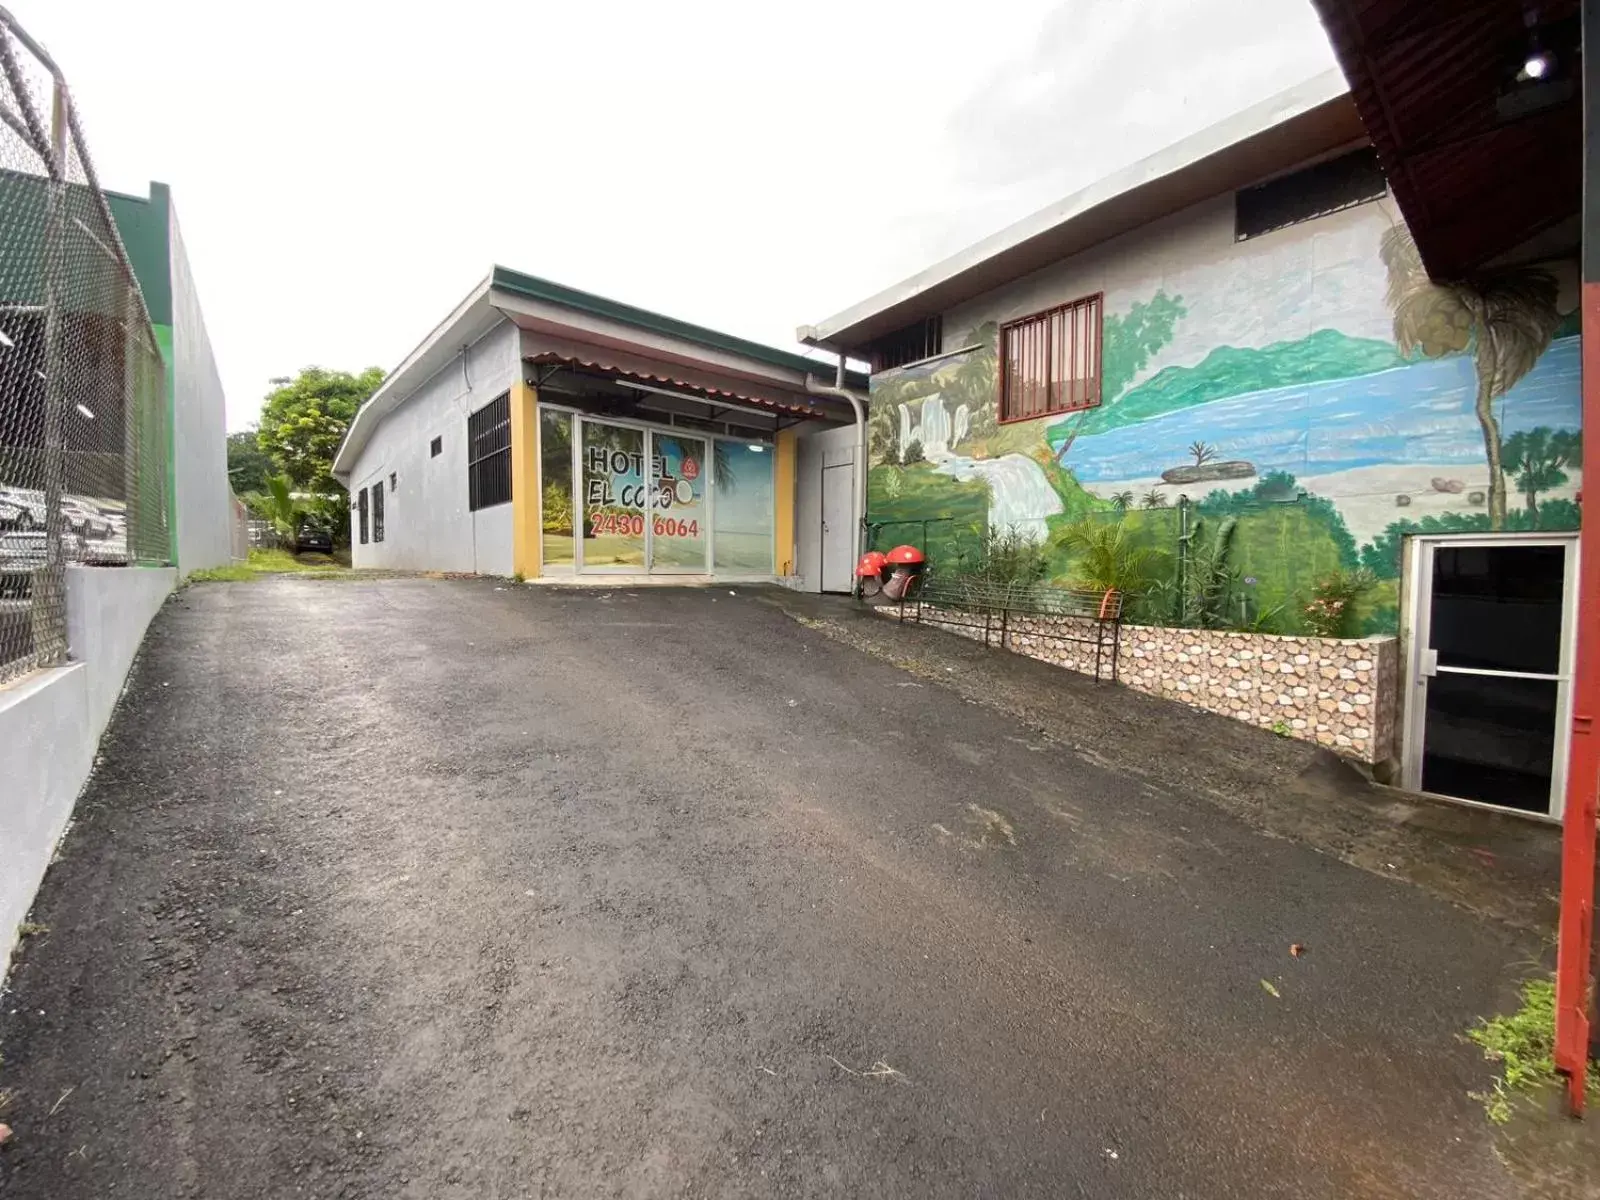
{"points": [[612, 461], [1492, 671], [680, 527], [555, 493]]}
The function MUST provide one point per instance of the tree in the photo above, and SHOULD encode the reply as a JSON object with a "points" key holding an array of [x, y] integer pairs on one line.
{"points": [[1129, 340], [1107, 559], [1536, 457], [1506, 318], [1122, 501], [248, 464], [277, 506], [304, 419], [977, 380], [1154, 498], [1202, 453]]}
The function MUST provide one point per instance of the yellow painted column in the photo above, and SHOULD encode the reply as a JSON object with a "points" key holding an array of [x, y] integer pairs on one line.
{"points": [[785, 460], [525, 480]]}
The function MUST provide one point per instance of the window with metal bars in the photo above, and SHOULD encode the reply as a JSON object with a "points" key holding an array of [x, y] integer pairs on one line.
{"points": [[1050, 361], [361, 509], [922, 339], [377, 511], [489, 454]]}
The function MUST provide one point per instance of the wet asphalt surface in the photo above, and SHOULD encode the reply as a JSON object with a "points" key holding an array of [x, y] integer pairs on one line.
{"points": [[432, 888]]}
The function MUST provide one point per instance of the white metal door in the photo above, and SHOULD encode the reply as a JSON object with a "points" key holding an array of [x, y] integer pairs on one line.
{"points": [[1488, 709], [838, 524]]}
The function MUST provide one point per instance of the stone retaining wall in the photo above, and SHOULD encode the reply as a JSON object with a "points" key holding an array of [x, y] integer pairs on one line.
{"points": [[1340, 693]]}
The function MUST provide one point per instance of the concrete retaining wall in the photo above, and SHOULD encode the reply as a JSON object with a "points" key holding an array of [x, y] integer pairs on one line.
{"points": [[1340, 693], [51, 722]]}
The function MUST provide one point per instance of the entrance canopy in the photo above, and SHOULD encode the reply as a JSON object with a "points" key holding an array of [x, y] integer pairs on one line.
{"points": [[1483, 153]]}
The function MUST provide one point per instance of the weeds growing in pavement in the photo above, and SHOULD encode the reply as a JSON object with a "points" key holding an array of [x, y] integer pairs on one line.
{"points": [[1523, 1044]]}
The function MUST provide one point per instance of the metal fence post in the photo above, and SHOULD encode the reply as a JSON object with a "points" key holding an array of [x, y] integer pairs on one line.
{"points": [[48, 609], [130, 427]]}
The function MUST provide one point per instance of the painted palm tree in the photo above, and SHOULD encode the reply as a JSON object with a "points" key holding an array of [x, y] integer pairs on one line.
{"points": [[1122, 501], [1538, 458], [1154, 498], [1505, 318]]}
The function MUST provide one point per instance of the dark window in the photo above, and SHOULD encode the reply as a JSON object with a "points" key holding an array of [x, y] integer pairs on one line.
{"points": [[377, 511], [436, 447], [393, 481], [361, 507], [921, 340], [1315, 191], [1050, 362], [489, 454]]}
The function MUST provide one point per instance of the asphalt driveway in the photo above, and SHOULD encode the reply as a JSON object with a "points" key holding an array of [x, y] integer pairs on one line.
{"points": [[435, 888]]}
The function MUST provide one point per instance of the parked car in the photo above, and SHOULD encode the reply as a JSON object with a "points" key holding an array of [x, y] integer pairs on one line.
{"points": [[21, 508], [84, 519], [21, 554], [313, 539]]}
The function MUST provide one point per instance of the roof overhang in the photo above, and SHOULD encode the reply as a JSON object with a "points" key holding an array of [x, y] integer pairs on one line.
{"points": [[1485, 172], [467, 323], [1306, 122], [563, 325]]}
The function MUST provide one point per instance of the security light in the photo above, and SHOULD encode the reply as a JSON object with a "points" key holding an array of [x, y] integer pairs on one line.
{"points": [[1538, 65], [87, 415]]}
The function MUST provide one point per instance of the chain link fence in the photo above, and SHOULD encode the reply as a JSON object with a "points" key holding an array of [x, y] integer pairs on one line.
{"points": [[84, 437]]}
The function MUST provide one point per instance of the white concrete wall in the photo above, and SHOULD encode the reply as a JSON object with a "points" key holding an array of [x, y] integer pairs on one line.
{"points": [[51, 722], [817, 448], [1317, 274], [427, 525], [108, 609], [200, 423]]}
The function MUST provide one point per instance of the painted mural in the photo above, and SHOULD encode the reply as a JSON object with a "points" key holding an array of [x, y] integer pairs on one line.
{"points": [[1401, 407]]}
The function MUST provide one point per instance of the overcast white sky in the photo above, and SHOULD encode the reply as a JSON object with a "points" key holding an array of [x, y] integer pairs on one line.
{"points": [[345, 171]]}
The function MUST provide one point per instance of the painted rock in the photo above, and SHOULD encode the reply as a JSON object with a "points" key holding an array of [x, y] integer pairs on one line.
{"points": [[1206, 472]]}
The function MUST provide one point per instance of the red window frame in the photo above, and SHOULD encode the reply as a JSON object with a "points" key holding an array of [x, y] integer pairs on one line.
{"points": [[1037, 346]]}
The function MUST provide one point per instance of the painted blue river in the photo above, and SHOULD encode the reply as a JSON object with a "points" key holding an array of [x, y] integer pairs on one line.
{"points": [[1416, 414]]}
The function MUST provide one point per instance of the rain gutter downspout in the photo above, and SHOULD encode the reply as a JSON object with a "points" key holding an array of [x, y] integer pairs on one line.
{"points": [[858, 403]]}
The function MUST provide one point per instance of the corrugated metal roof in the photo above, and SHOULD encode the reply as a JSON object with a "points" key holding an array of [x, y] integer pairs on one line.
{"points": [[1426, 76], [612, 367], [536, 288]]}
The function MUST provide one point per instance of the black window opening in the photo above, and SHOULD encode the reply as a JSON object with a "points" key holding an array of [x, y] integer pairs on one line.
{"points": [[922, 339], [489, 454], [361, 508], [436, 447], [377, 511], [1315, 191]]}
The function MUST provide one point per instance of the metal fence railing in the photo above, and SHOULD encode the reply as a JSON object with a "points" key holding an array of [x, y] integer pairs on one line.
{"points": [[84, 419]]}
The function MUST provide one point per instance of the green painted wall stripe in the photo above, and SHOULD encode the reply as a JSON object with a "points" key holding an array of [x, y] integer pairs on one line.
{"points": [[145, 226]]}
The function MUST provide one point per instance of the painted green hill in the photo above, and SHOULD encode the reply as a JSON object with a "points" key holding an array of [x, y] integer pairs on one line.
{"points": [[1230, 371]]}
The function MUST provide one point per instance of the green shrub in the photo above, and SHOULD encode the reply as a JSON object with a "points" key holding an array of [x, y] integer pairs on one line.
{"points": [[1332, 608]]}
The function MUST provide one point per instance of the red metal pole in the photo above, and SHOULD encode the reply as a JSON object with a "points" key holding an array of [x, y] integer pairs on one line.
{"points": [[1583, 771]]}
